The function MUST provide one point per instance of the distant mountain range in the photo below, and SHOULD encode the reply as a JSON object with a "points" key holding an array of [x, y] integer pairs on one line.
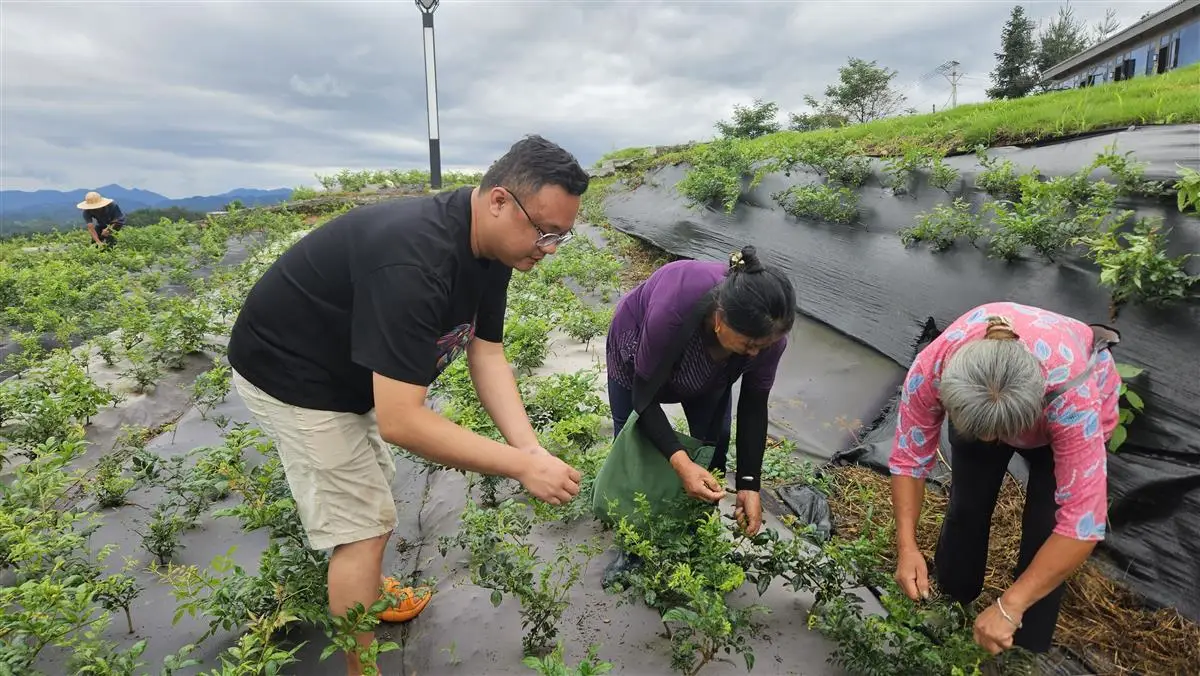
{"points": [[18, 206]]}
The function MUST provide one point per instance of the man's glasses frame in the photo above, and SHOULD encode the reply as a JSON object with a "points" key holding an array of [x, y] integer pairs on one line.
{"points": [[545, 239]]}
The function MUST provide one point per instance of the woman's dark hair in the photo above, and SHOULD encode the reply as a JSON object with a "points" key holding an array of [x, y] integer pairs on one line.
{"points": [[757, 301]]}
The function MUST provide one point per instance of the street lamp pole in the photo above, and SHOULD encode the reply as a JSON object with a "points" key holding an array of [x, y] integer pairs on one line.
{"points": [[427, 8]]}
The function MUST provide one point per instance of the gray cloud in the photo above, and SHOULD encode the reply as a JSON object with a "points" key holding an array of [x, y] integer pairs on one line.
{"points": [[202, 97]]}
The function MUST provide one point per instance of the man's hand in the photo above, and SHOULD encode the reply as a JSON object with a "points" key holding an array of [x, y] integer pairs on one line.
{"points": [[748, 512], [697, 481], [912, 573], [993, 631], [549, 479]]}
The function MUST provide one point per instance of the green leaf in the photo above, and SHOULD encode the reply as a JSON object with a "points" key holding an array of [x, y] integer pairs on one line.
{"points": [[1134, 400], [1118, 438], [1129, 371], [749, 661], [497, 597]]}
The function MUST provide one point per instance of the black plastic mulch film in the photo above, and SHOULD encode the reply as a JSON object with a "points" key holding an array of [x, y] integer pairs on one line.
{"points": [[861, 280]]}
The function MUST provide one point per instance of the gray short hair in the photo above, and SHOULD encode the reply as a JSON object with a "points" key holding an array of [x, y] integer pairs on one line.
{"points": [[993, 389]]}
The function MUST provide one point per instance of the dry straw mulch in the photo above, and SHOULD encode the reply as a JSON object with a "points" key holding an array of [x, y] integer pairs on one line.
{"points": [[1101, 621]]}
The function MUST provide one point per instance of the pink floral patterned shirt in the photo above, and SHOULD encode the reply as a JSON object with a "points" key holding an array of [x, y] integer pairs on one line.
{"points": [[1076, 425]]}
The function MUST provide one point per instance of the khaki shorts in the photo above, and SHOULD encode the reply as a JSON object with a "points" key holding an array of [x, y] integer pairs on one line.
{"points": [[339, 469]]}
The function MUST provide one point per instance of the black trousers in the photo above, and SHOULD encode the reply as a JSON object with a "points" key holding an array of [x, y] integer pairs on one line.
{"points": [[960, 561], [701, 413]]}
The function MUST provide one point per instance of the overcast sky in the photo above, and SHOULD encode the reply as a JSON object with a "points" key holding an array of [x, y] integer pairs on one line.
{"points": [[203, 96]]}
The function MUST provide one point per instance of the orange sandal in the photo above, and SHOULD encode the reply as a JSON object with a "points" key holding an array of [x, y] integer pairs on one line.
{"points": [[410, 602]]}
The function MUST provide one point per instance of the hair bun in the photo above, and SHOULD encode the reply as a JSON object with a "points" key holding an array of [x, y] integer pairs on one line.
{"points": [[745, 260]]}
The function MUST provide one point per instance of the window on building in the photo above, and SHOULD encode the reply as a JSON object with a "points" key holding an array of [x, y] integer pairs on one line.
{"points": [[1175, 55], [1128, 67], [1164, 58]]}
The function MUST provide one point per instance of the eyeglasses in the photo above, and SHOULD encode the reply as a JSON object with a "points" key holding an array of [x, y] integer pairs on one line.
{"points": [[545, 239]]}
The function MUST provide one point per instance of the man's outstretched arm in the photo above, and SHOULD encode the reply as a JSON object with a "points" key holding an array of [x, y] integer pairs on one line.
{"points": [[405, 421], [497, 390]]}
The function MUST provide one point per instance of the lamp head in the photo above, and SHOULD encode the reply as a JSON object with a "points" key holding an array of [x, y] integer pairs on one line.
{"points": [[427, 6]]}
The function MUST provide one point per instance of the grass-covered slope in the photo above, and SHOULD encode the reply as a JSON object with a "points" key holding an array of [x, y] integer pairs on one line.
{"points": [[1172, 98]]}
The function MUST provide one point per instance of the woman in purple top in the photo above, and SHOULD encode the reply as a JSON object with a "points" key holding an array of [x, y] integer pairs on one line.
{"points": [[742, 336]]}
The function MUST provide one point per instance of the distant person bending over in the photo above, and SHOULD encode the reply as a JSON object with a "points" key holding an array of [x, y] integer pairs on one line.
{"points": [[1010, 378], [102, 216], [338, 341], [752, 308]]}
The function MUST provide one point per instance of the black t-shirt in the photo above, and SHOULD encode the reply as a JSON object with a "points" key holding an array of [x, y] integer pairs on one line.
{"points": [[109, 214], [391, 287]]}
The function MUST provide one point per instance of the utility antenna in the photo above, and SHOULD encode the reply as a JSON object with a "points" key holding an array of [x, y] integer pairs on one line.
{"points": [[951, 73]]}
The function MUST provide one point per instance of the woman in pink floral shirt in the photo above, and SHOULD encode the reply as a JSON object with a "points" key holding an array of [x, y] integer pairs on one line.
{"points": [[1009, 378]]}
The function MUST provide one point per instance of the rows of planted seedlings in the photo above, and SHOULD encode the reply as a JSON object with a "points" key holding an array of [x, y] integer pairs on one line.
{"points": [[60, 596], [1025, 212]]}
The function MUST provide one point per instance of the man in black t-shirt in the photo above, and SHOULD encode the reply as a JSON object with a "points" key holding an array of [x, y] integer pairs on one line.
{"points": [[102, 216], [338, 341]]}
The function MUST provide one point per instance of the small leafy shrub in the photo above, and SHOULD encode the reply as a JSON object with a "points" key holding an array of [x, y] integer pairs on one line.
{"points": [[502, 559], [835, 159], [1051, 216], [819, 202], [211, 387], [1188, 187], [525, 342], [901, 168], [1130, 175], [999, 177], [942, 175], [303, 193], [47, 401], [588, 322], [718, 170], [687, 569], [943, 225], [1135, 265], [553, 665], [110, 486], [1132, 402]]}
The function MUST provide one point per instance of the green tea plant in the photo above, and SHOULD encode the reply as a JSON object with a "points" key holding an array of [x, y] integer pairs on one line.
{"points": [[1187, 188], [211, 387], [999, 177], [47, 401], [1131, 403], [110, 486], [502, 559], [57, 597], [525, 342], [686, 571], [289, 585], [902, 167], [1130, 175], [1135, 265], [718, 172], [587, 323], [942, 226], [1046, 218], [553, 664], [819, 202], [345, 628], [837, 160]]}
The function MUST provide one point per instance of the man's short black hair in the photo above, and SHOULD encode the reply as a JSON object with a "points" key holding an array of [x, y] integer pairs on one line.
{"points": [[534, 162]]}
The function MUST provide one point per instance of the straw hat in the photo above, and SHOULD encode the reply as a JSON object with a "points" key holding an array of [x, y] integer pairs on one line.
{"points": [[93, 200]]}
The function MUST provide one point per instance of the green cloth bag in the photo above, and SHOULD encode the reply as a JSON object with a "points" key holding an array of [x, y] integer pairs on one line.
{"points": [[635, 465]]}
